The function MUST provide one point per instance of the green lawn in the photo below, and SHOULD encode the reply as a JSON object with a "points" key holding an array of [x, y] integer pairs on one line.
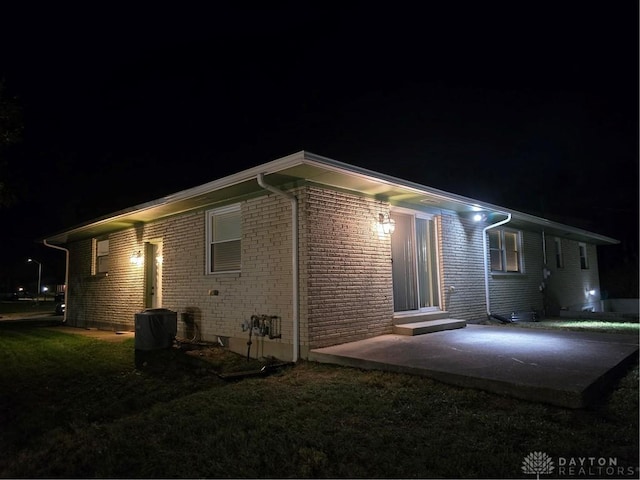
{"points": [[71, 406], [603, 326], [27, 307]]}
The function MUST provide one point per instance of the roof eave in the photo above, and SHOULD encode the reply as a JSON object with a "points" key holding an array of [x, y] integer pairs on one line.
{"points": [[124, 218], [230, 180]]}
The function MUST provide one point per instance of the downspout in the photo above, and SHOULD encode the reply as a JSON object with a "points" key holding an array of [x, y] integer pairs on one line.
{"points": [[486, 261], [295, 266], [66, 275]]}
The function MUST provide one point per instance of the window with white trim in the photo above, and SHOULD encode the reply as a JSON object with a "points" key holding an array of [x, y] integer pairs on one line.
{"points": [[584, 260], [100, 264], [504, 251], [559, 259], [223, 239]]}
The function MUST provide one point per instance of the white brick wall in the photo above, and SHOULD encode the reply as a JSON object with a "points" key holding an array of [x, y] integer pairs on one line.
{"points": [[105, 301], [462, 267], [264, 285], [568, 287], [345, 274], [520, 291], [347, 268]]}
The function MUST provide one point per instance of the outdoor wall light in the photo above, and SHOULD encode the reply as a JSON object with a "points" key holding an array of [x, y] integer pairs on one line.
{"points": [[479, 217], [386, 224], [136, 258]]}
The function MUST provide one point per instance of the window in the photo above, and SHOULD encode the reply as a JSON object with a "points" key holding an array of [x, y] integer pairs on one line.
{"points": [[559, 259], [584, 261], [101, 256], [504, 251], [223, 239]]}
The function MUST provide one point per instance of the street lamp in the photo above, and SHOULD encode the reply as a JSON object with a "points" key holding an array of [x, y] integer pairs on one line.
{"points": [[39, 276]]}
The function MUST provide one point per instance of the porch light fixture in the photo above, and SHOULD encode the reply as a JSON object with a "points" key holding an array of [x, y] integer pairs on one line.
{"points": [[386, 224], [479, 217], [136, 258]]}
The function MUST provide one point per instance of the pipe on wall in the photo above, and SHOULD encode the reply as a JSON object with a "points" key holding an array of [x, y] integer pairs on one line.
{"points": [[66, 274], [486, 260], [295, 267]]}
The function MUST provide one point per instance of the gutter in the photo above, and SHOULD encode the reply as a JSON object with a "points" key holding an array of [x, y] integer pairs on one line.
{"points": [[295, 264], [66, 275], [486, 260]]}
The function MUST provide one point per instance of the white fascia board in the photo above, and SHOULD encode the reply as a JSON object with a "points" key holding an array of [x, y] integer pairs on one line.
{"points": [[303, 157], [390, 180], [230, 180], [462, 200], [545, 223], [270, 167]]}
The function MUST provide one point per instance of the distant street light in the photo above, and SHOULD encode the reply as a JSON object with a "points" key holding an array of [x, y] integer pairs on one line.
{"points": [[39, 276]]}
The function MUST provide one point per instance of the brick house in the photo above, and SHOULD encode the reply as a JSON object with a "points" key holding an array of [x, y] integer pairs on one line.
{"points": [[313, 252]]}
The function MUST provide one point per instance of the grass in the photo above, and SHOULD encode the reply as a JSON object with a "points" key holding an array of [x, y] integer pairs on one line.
{"points": [[602, 326], [72, 406], [28, 307]]}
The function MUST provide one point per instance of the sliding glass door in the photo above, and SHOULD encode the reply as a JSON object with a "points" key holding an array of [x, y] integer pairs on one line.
{"points": [[415, 262]]}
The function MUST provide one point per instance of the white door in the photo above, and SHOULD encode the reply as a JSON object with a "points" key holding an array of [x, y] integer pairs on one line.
{"points": [[153, 261]]}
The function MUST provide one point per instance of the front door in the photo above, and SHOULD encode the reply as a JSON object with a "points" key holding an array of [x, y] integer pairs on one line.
{"points": [[414, 252], [153, 264]]}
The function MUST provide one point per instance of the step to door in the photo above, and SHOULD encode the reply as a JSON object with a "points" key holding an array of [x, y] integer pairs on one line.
{"points": [[403, 318], [430, 326]]}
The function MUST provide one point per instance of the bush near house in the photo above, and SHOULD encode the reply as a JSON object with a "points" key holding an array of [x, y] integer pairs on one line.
{"points": [[72, 406]]}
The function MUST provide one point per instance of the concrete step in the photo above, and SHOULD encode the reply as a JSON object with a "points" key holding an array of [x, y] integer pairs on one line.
{"points": [[429, 326], [412, 317]]}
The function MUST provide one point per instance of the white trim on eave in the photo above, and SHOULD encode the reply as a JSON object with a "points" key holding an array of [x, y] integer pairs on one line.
{"points": [[228, 181], [390, 180], [270, 167], [120, 218]]}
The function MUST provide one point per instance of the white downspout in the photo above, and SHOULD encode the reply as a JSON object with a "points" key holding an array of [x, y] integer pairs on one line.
{"points": [[66, 275], [486, 260], [294, 250]]}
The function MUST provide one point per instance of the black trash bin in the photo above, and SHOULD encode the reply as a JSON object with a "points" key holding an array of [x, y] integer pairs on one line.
{"points": [[156, 328]]}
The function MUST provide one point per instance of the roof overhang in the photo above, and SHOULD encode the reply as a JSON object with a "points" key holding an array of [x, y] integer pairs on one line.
{"points": [[305, 168]]}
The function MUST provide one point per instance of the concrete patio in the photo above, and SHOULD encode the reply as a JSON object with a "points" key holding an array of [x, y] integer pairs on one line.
{"points": [[565, 368]]}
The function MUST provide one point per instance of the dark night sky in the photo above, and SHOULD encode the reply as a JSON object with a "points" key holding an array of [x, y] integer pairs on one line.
{"points": [[529, 105]]}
